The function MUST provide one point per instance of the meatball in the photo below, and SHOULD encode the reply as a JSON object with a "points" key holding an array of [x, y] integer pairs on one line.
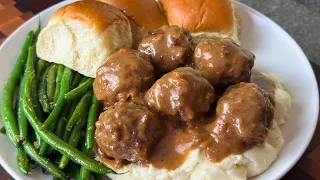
{"points": [[181, 92], [244, 114], [222, 62], [127, 131], [169, 47], [125, 74]]}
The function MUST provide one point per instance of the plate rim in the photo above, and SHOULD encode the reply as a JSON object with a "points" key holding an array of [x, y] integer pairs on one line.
{"points": [[15, 175], [305, 58]]}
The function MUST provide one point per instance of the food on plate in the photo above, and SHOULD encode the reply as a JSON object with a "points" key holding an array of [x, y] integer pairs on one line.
{"points": [[82, 35], [222, 62], [182, 92], [124, 75], [127, 131], [49, 126], [264, 83], [204, 19], [169, 110], [187, 161], [169, 47], [201, 135], [244, 115], [144, 16]]}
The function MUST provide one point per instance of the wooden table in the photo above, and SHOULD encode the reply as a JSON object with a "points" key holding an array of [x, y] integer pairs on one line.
{"points": [[13, 13]]}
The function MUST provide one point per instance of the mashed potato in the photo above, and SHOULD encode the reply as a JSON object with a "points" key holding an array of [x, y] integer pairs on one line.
{"points": [[250, 163]]}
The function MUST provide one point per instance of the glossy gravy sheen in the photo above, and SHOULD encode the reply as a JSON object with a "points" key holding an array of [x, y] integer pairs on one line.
{"points": [[172, 150]]}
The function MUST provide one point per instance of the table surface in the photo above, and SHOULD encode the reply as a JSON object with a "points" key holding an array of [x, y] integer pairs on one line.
{"points": [[300, 18]]}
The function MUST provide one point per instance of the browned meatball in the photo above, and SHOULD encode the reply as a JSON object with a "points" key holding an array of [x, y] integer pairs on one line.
{"points": [[125, 74], [244, 115], [127, 131], [222, 62], [169, 47], [181, 92]]}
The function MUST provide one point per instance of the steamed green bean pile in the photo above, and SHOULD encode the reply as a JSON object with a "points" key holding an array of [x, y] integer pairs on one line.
{"points": [[51, 118]]}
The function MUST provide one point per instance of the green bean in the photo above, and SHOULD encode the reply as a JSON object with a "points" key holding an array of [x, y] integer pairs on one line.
{"points": [[58, 83], [96, 176], [73, 140], [80, 90], [75, 80], [73, 170], [84, 173], [36, 33], [42, 94], [93, 115], [55, 142], [61, 128], [43, 162], [78, 78], [44, 147], [36, 102], [73, 106], [51, 84], [80, 110], [8, 114], [3, 130], [39, 141], [22, 120], [67, 113], [65, 85], [23, 161], [41, 65]]}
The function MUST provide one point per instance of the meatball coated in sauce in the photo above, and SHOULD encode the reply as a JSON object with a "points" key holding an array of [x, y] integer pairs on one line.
{"points": [[127, 131], [244, 116], [181, 92], [169, 47], [125, 74], [222, 62]]}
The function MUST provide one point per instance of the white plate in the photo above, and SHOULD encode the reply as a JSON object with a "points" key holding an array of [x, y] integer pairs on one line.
{"points": [[276, 52]]}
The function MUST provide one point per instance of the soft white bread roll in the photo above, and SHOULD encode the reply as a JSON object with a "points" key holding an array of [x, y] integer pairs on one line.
{"points": [[204, 19], [82, 36], [144, 16]]}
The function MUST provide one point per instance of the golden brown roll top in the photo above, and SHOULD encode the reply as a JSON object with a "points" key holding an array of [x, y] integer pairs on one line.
{"points": [[144, 16], [204, 19], [95, 15], [145, 13], [83, 34]]}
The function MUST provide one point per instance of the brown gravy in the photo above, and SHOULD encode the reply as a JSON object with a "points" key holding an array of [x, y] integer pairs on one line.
{"points": [[172, 150], [263, 82], [180, 139], [175, 146]]}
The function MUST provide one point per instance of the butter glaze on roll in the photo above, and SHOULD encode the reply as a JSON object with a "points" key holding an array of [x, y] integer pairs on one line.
{"points": [[144, 16], [204, 19], [82, 35]]}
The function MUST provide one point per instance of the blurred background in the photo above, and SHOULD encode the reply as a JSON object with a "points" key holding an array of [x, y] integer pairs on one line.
{"points": [[300, 18]]}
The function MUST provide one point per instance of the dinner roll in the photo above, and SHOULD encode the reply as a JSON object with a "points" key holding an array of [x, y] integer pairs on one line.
{"points": [[144, 16], [82, 36], [204, 19]]}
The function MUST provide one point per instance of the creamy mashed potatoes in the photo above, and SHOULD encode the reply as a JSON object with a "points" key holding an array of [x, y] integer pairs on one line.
{"points": [[242, 166]]}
